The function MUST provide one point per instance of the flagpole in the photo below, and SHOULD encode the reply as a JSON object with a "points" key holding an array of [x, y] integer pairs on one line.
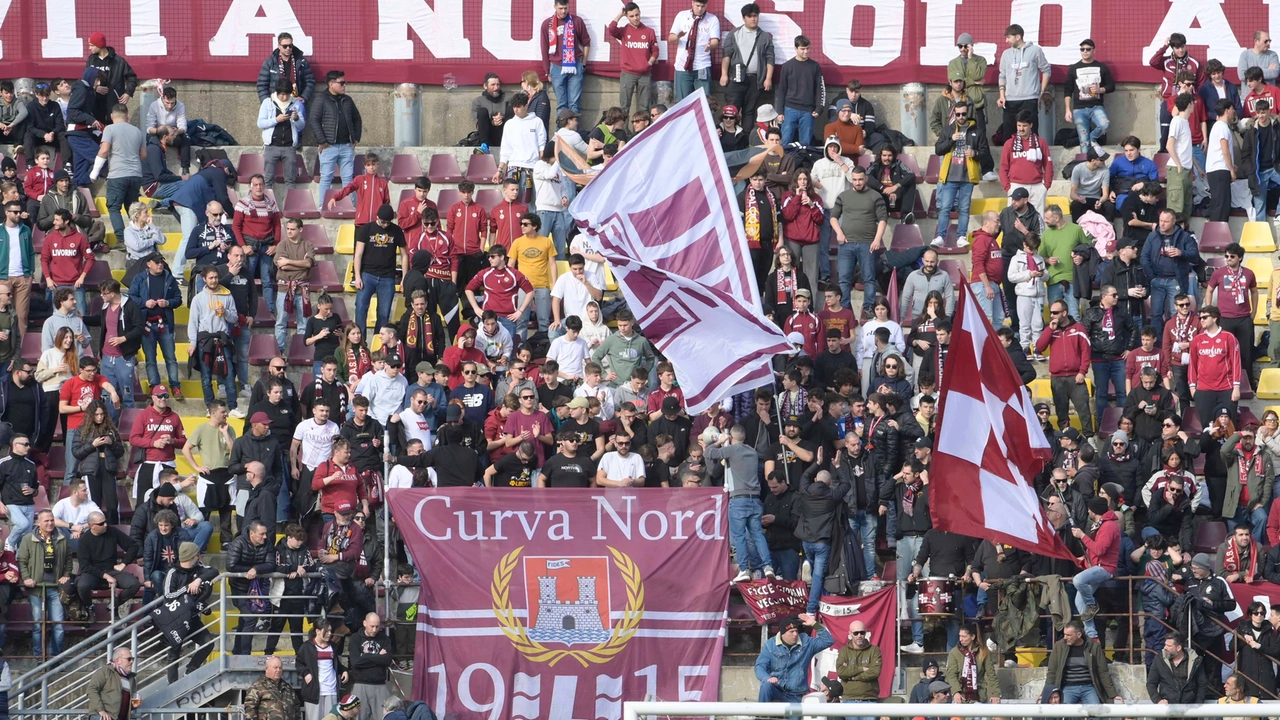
{"points": [[786, 471]]}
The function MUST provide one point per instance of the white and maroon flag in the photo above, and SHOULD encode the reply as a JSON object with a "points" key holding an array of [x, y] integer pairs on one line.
{"points": [[665, 216], [989, 445]]}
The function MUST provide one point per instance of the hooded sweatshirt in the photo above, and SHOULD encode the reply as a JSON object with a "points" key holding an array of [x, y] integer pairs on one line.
{"points": [[1103, 547], [81, 105]]}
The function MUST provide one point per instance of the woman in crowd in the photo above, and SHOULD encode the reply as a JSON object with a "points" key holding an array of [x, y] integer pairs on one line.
{"points": [[867, 340], [780, 286], [352, 355], [57, 365], [98, 452], [141, 239], [802, 218], [923, 336], [1258, 640]]}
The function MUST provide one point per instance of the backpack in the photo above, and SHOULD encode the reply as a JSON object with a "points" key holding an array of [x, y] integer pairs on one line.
{"points": [[1069, 168]]}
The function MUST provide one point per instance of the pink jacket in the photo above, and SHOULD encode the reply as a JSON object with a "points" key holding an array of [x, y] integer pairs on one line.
{"points": [[1101, 230]]}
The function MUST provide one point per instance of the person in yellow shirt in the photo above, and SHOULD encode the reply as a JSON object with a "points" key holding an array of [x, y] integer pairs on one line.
{"points": [[1234, 695], [535, 256]]}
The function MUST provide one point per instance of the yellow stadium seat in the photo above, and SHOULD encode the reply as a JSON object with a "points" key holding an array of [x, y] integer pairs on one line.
{"points": [[182, 315], [1063, 203], [1260, 314], [1269, 408], [1040, 389], [610, 284], [346, 244], [375, 341], [979, 206], [397, 309], [1261, 266], [348, 278], [101, 202], [117, 274], [562, 267], [1269, 384], [171, 241], [1258, 237]]}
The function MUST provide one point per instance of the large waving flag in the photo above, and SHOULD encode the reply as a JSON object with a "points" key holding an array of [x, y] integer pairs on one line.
{"points": [[989, 445], [665, 216]]}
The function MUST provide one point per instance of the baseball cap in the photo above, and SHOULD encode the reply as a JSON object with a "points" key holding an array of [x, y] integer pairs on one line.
{"points": [[260, 417], [579, 402], [791, 420], [1093, 154], [923, 443], [159, 390], [349, 702], [729, 111], [1020, 194], [1071, 434], [425, 367], [344, 508], [453, 413], [670, 403], [804, 292], [565, 114]]}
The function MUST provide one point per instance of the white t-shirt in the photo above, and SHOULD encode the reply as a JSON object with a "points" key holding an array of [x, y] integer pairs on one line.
{"points": [[416, 428], [402, 477], [15, 251], [602, 392], [317, 441], [1180, 133], [594, 270], [573, 294], [70, 514], [708, 28], [1213, 158], [616, 467], [570, 355]]}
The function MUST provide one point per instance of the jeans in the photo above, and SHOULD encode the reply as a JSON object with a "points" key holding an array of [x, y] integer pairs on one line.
{"points": [[23, 518], [1080, 694], [568, 88], [824, 247], [954, 196], [556, 224], [750, 549], [166, 345], [542, 305], [386, 289], [856, 256], [797, 125], [993, 308], [263, 267], [1091, 124], [863, 525], [200, 534], [1267, 179], [685, 82], [250, 625], [1057, 292], [241, 367], [71, 462], [188, 219], [1103, 373], [511, 327], [1257, 518], [786, 563], [908, 548], [121, 191], [817, 554], [206, 381], [119, 371], [272, 156], [770, 693], [282, 319], [1086, 582], [50, 598], [1163, 291], [344, 157]]}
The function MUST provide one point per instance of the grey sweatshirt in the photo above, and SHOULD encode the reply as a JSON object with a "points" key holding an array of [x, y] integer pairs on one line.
{"points": [[203, 319], [1268, 60], [1020, 70], [742, 480], [56, 322]]}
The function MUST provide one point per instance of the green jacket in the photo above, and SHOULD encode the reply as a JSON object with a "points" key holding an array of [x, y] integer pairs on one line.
{"points": [[624, 355], [859, 683], [974, 72], [1059, 243], [104, 690], [988, 682], [28, 253], [1096, 661], [9, 322], [31, 558], [940, 115], [1259, 483]]}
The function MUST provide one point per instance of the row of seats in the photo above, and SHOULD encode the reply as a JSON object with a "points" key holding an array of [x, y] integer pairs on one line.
{"points": [[442, 168]]}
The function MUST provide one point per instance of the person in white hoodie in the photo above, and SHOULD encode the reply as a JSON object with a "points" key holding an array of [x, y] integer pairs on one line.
{"points": [[281, 119], [867, 340], [594, 331], [1026, 271], [549, 187], [831, 176]]}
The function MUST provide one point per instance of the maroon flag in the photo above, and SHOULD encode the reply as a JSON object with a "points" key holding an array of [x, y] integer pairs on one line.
{"points": [[988, 445]]}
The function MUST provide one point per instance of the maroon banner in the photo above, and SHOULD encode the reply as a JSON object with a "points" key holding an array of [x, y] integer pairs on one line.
{"points": [[880, 42], [879, 612], [773, 600], [565, 603]]}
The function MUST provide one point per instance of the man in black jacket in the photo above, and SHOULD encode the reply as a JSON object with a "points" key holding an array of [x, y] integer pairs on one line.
{"points": [[1125, 273], [118, 367], [371, 651], [251, 555], [910, 495], [819, 509], [1112, 333], [456, 457], [1009, 339], [261, 506], [335, 123], [99, 565], [46, 126], [1170, 512], [868, 497], [283, 415], [118, 77], [1177, 677], [364, 434], [286, 62], [781, 515], [1214, 599], [1061, 486], [191, 577], [256, 445]]}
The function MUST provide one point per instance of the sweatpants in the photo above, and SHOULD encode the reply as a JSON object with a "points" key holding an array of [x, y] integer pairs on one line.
{"points": [[1030, 319]]}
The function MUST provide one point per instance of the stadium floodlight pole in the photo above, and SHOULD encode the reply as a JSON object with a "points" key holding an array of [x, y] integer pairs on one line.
{"points": [[636, 710]]}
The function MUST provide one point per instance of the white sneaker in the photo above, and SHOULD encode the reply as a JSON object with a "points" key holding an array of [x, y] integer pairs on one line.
{"points": [[990, 177], [743, 576], [962, 241], [806, 572], [237, 413], [768, 571], [1098, 149], [938, 241], [912, 649]]}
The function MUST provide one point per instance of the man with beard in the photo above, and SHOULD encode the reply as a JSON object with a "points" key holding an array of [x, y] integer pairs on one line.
{"points": [[421, 331], [790, 452], [1247, 500], [673, 423], [258, 445]]}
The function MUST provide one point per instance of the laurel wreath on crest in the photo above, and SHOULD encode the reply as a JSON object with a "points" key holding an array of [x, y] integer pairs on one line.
{"points": [[516, 632]]}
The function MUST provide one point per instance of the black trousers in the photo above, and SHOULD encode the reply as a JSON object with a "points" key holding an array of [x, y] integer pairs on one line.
{"points": [[1166, 117], [127, 586], [468, 267], [204, 645], [1209, 401], [1181, 388], [102, 491], [489, 133], [906, 199], [287, 607], [1242, 329], [1220, 195], [745, 95], [1107, 211], [1009, 124], [183, 143], [34, 138]]}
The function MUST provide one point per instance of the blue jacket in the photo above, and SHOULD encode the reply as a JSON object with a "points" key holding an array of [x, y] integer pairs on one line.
{"points": [[1163, 266], [154, 167], [790, 663], [1209, 95], [209, 184], [140, 291], [1141, 171], [80, 106]]}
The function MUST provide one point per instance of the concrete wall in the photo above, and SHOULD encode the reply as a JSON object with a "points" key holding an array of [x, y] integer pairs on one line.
{"points": [[446, 116]]}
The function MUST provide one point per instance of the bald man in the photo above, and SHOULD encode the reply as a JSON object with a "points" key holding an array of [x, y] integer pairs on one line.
{"points": [[371, 652], [210, 240], [858, 666], [261, 505], [105, 690], [270, 697]]}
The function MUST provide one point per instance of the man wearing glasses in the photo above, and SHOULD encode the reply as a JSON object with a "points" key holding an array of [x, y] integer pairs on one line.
{"points": [[1068, 363], [960, 145], [623, 468], [1234, 291], [529, 424], [286, 62], [1111, 332], [1213, 375], [110, 687], [103, 554], [1088, 81], [209, 242], [44, 563], [534, 255], [336, 122], [1260, 56], [440, 267], [17, 258]]}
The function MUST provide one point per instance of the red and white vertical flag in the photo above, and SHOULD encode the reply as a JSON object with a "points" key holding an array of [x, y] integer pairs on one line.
{"points": [[665, 216], [988, 446]]}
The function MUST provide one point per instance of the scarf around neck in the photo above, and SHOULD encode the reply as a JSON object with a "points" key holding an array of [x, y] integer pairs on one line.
{"points": [[568, 46], [1034, 152], [1232, 562], [752, 217]]}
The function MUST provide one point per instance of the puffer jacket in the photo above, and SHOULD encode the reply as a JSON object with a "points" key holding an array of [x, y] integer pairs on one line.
{"points": [[1104, 346], [304, 79], [974, 139], [1125, 470], [862, 469], [1182, 686], [89, 460], [243, 555], [160, 552], [883, 446], [819, 505], [327, 111]]}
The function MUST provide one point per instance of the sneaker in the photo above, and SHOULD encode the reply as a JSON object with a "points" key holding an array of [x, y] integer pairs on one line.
{"points": [[237, 413], [1098, 149], [938, 241], [742, 576], [176, 392], [912, 649], [1089, 612], [909, 219], [1010, 664], [962, 241], [768, 571], [806, 572], [182, 282], [990, 177]]}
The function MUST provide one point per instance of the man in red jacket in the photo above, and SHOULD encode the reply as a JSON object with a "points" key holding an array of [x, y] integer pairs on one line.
{"points": [[1102, 554], [409, 214], [504, 219], [987, 268], [467, 224], [1067, 365], [66, 259], [1213, 373], [371, 189], [1027, 162], [159, 430]]}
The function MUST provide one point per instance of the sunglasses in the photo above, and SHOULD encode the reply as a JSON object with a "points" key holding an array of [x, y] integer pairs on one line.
{"points": [[622, 443], [858, 633], [1086, 49], [1204, 317], [526, 224], [163, 396], [526, 397], [1056, 312], [468, 372], [22, 443], [1168, 424], [1258, 613], [277, 367], [339, 82], [431, 223], [98, 524], [1183, 304]]}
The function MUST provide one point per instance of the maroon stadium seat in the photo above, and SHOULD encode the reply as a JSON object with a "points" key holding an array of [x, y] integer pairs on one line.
{"points": [[301, 175], [910, 161], [340, 309], [264, 318], [325, 276], [250, 164], [300, 203], [57, 464], [31, 347], [932, 168], [1246, 389], [261, 349], [127, 418], [318, 238], [447, 198], [1215, 237], [955, 269], [37, 240], [125, 504], [99, 273], [405, 169], [1110, 420], [949, 240], [481, 169], [300, 353], [93, 206], [1162, 165], [1209, 536], [488, 198], [443, 168], [344, 209], [906, 237]]}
